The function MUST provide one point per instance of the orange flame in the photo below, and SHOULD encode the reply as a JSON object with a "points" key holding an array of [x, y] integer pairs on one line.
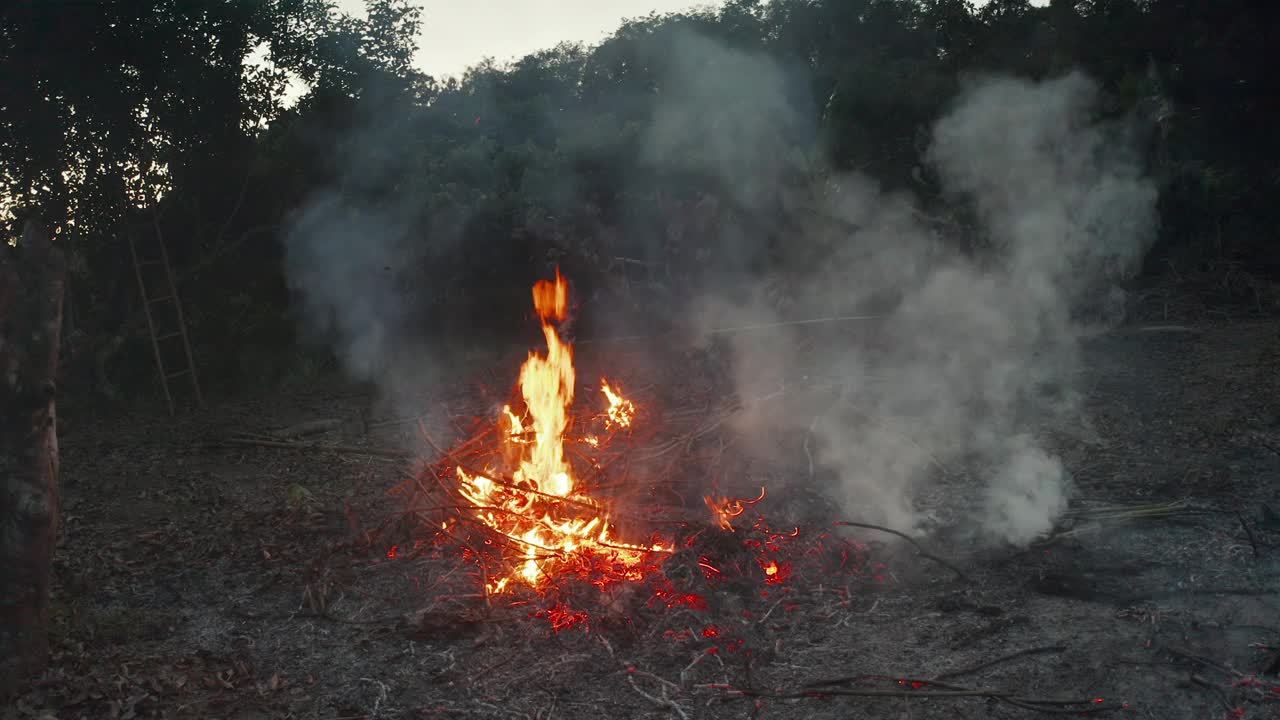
{"points": [[726, 509], [551, 299], [539, 509], [621, 410]]}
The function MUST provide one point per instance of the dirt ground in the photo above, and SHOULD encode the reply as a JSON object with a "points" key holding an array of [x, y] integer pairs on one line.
{"points": [[198, 578]]}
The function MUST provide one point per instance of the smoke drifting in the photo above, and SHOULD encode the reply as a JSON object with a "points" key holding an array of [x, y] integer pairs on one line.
{"points": [[342, 258], [973, 361], [355, 257]]}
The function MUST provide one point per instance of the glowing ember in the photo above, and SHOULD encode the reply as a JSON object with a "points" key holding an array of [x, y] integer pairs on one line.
{"points": [[726, 509], [549, 522]]}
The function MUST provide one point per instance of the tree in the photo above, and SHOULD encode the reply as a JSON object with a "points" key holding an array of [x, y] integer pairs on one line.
{"points": [[161, 107], [32, 280]]}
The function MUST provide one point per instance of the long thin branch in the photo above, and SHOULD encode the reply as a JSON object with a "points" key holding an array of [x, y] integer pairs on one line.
{"points": [[936, 681], [919, 548], [1058, 706], [347, 449], [1001, 659]]}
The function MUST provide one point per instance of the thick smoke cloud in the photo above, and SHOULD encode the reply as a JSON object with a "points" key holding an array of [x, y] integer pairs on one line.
{"points": [[972, 363]]}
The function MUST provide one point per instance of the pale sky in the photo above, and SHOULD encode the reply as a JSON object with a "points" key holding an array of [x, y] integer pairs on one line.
{"points": [[459, 33]]}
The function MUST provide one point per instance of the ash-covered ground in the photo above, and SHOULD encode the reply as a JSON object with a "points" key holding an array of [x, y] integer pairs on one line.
{"points": [[198, 578]]}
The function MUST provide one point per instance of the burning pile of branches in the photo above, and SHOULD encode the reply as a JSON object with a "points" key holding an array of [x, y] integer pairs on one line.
{"points": [[524, 496], [570, 508], [541, 500]]}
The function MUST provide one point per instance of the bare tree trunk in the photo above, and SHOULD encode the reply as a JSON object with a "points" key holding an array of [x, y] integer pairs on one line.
{"points": [[32, 283]]}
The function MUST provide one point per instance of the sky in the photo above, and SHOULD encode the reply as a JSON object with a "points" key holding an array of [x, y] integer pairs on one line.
{"points": [[457, 34]]}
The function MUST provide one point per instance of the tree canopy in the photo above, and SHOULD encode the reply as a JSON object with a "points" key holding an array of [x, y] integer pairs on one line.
{"points": [[175, 115]]}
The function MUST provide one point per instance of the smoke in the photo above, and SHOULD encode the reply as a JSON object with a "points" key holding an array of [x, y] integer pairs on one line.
{"points": [[971, 367], [342, 260], [968, 372], [713, 100], [356, 253]]}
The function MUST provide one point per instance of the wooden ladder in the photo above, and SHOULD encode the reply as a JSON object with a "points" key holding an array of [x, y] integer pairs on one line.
{"points": [[168, 295]]}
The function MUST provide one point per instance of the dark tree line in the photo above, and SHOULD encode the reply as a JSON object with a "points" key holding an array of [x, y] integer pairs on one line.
{"points": [[120, 116]]}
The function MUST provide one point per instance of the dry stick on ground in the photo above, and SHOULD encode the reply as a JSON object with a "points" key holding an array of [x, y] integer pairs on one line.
{"points": [[345, 449], [629, 668], [309, 427], [1222, 695], [1204, 661], [1001, 659], [919, 548], [954, 673], [1253, 542], [1058, 706]]}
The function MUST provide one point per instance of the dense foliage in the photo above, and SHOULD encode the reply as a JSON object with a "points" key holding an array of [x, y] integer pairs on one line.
{"points": [[170, 116]]}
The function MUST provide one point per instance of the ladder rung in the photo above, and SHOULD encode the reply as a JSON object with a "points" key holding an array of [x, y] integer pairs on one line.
{"points": [[166, 298], [169, 336], [180, 373]]}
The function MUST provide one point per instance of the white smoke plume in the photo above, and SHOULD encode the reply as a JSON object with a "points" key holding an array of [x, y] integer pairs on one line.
{"points": [[974, 360]]}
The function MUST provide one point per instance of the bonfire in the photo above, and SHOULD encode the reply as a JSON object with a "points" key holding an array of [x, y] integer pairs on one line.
{"points": [[541, 509], [527, 496], [530, 500]]}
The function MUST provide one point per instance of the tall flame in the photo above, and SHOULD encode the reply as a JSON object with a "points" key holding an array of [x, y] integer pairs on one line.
{"points": [[539, 509], [546, 382]]}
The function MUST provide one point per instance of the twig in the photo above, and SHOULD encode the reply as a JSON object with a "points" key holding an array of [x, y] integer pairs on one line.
{"points": [[347, 449], [1045, 705], [1204, 661], [1222, 695], [629, 668], [310, 427], [663, 701], [1253, 541], [919, 548], [1001, 659]]}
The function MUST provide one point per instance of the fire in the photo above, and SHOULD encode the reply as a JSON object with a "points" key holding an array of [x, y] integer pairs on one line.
{"points": [[540, 509], [517, 426], [726, 509], [621, 410]]}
